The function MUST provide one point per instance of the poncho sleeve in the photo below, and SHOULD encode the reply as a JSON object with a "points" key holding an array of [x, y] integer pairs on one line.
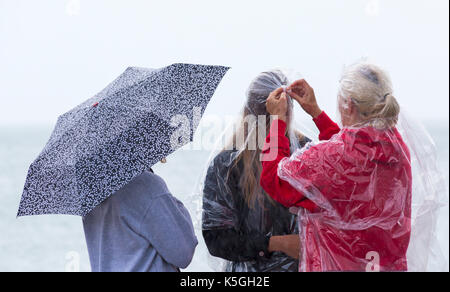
{"points": [[276, 142]]}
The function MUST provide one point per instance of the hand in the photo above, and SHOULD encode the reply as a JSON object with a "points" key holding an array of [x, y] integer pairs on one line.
{"points": [[303, 93], [288, 244], [277, 105]]}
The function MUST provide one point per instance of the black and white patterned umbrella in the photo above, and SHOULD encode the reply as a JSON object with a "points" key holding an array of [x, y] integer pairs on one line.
{"points": [[102, 144]]}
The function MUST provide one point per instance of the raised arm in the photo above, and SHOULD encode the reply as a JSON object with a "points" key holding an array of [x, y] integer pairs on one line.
{"points": [[304, 94], [280, 190], [277, 148]]}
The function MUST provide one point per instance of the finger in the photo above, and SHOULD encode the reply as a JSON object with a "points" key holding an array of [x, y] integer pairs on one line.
{"points": [[294, 95], [278, 91], [297, 83], [298, 90], [283, 98], [306, 84]]}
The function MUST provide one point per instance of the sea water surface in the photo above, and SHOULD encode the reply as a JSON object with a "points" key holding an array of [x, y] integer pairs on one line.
{"points": [[56, 242]]}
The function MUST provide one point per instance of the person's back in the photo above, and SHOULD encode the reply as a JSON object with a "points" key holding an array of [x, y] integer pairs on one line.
{"points": [[242, 242], [368, 199], [141, 227]]}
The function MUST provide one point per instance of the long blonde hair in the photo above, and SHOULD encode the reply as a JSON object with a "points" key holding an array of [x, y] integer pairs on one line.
{"points": [[370, 90]]}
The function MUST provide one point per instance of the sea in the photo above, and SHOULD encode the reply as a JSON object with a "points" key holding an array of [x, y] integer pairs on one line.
{"points": [[57, 243]]}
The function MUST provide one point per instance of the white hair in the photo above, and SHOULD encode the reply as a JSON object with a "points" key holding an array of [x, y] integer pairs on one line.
{"points": [[370, 90]]}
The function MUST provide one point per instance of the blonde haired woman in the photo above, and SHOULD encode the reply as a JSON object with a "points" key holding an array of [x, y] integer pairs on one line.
{"points": [[354, 188]]}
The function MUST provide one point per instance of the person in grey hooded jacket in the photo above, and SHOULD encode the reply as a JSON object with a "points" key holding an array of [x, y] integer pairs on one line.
{"points": [[140, 228]]}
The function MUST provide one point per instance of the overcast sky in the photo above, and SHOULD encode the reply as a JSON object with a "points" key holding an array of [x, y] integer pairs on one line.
{"points": [[55, 54]]}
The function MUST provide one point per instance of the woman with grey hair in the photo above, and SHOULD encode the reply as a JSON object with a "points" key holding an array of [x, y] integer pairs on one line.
{"points": [[240, 223]]}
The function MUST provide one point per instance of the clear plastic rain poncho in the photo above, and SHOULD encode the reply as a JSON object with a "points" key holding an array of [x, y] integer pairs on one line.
{"points": [[238, 218], [376, 186]]}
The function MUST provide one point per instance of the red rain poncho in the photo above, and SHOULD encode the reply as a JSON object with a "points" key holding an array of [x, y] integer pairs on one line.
{"points": [[354, 191]]}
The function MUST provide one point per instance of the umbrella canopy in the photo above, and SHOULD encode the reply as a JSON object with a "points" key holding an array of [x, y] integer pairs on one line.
{"points": [[102, 144]]}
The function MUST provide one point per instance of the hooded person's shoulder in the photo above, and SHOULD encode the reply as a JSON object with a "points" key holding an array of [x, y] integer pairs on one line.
{"points": [[143, 188], [153, 183]]}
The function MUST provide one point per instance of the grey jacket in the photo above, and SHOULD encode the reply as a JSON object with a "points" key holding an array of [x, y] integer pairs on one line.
{"points": [[142, 227]]}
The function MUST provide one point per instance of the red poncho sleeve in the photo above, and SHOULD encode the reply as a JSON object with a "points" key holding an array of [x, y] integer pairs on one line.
{"points": [[275, 149]]}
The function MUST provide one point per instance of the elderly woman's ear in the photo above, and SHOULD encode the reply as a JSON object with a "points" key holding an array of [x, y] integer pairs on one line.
{"points": [[347, 106]]}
